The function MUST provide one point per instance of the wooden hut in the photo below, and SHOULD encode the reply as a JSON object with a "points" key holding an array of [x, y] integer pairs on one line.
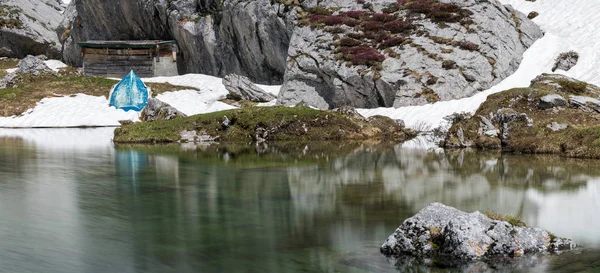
{"points": [[117, 58]]}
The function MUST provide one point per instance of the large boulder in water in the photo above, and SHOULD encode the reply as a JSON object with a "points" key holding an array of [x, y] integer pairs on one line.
{"points": [[399, 53], [27, 27], [445, 232]]}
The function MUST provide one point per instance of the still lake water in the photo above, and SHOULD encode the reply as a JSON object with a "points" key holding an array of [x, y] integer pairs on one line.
{"points": [[70, 201]]}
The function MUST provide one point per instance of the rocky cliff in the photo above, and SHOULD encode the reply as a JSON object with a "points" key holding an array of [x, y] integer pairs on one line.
{"points": [[328, 53], [214, 37], [27, 28], [405, 52]]}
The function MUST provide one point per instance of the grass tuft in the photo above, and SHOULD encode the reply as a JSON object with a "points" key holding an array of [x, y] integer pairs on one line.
{"points": [[513, 220]]}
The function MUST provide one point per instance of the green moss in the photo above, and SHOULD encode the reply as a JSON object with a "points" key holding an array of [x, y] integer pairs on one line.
{"points": [[282, 123], [573, 87], [513, 220], [9, 17]]}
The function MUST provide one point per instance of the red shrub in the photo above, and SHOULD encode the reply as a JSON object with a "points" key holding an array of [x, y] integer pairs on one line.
{"points": [[372, 25], [377, 36], [436, 11], [391, 42], [349, 42], [382, 17], [364, 55], [356, 14], [317, 18], [398, 26], [336, 20], [466, 45]]}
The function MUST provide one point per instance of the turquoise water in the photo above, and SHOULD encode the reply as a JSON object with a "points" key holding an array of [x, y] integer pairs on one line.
{"points": [[70, 201]]}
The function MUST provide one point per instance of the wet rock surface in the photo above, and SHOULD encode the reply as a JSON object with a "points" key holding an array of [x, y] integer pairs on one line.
{"points": [[440, 231]]}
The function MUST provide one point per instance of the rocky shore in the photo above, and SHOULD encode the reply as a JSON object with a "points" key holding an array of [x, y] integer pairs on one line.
{"points": [[554, 115]]}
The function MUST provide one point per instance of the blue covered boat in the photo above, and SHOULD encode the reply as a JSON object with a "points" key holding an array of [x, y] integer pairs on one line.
{"points": [[130, 93]]}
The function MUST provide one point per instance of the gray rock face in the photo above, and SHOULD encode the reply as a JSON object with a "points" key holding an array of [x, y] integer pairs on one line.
{"points": [[32, 65], [584, 103], [551, 101], [158, 110], [431, 66], [28, 28], [214, 37], [241, 88], [445, 232]]}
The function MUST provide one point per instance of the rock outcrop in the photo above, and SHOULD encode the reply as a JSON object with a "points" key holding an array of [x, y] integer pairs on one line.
{"points": [[158, 110], [29, 65], [566, 60], [260, 124], [398, 53], [241, 88], [555, 114], [27, 28], [214, 37], [444, 232]]}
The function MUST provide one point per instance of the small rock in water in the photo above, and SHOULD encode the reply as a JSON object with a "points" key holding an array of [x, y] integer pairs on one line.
{"points": [[440, 231]]}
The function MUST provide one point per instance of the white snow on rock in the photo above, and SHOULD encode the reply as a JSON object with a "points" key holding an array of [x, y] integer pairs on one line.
{"points": [[569, 25], [55, 65], [192, 102]]}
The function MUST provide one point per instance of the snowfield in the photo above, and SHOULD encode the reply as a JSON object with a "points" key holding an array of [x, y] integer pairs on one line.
{"points": [[568, 25]]}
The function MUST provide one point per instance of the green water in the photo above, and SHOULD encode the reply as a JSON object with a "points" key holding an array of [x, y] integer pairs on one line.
{"points": [[70, 201]]}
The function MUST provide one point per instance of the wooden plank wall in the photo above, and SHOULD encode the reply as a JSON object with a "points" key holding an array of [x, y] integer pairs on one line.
{"points": [[118, 62]]}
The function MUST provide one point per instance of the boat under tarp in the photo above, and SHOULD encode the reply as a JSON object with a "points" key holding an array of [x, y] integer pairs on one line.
{"points": [[130, 93]]}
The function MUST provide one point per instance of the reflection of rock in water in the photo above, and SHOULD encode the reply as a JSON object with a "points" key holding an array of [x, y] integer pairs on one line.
{"points": [[525, 264], [543, 190]]}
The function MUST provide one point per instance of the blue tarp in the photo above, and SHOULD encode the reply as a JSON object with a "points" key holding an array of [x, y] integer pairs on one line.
{"points": [[130, 93]]}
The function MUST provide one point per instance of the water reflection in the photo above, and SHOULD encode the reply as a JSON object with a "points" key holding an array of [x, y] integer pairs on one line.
{"points": [[279, 208]]}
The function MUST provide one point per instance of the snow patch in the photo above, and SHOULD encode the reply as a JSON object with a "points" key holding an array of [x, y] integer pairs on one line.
{"points": [[55, 65], [73, 111], [193, 102]]}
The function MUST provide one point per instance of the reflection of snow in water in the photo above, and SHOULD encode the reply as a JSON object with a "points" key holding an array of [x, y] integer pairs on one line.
{"points": [[572, 214], [414, 178]]}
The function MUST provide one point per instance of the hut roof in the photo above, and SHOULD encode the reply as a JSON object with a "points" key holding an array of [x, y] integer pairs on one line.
{"points": [[124, 44]]}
